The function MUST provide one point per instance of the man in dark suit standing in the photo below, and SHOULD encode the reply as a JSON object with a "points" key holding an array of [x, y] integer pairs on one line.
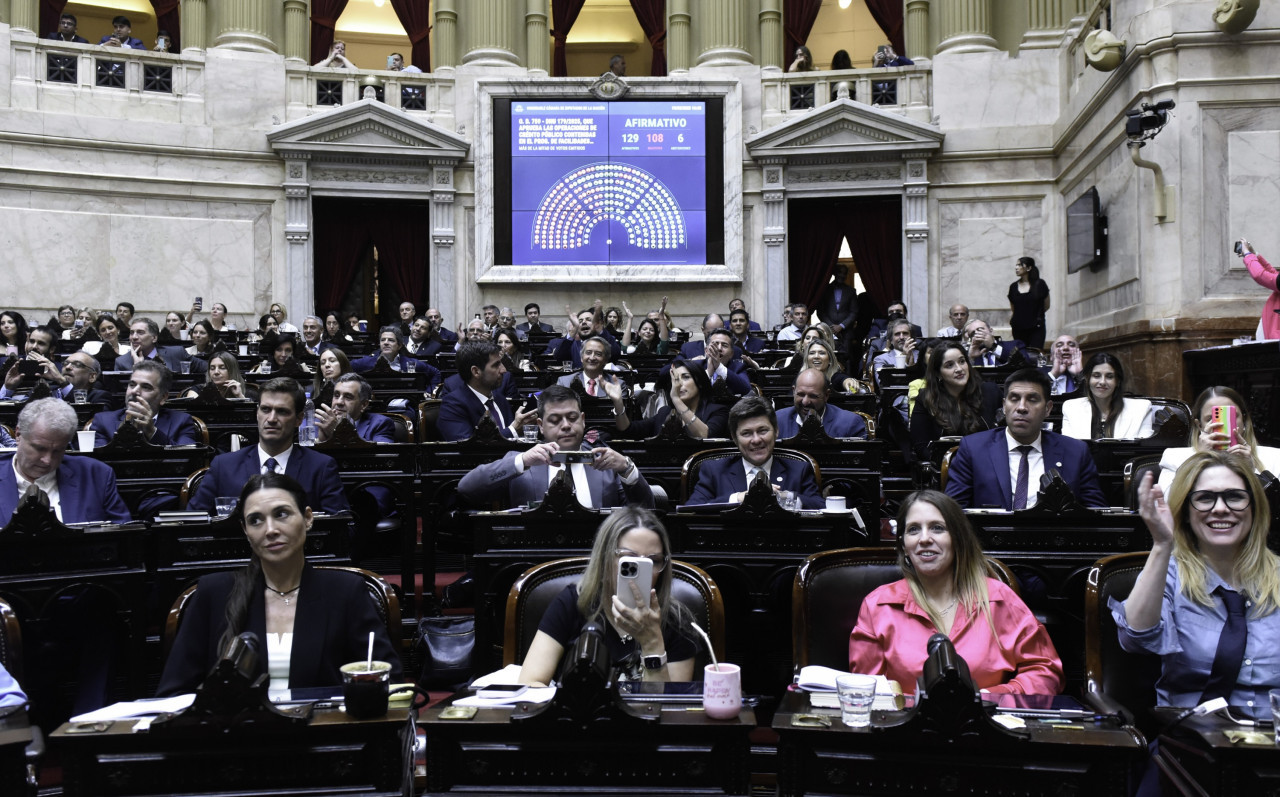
{"points": [[280, 407], [351, 397], [838, 308], [144, 400], [143, 334], [460, 410], [80, 489], [533, 322], [754, 428], [1001, 468], [811, 391], [609, 480]]}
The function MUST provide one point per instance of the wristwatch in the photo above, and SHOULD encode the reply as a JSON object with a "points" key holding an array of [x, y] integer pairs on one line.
{"points": [[655, 661]]}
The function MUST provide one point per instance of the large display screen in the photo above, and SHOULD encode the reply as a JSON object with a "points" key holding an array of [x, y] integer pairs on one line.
{"points": [[594, 182]]}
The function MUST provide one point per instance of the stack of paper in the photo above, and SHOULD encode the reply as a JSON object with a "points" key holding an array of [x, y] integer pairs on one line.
{"points": [[820, 683]]}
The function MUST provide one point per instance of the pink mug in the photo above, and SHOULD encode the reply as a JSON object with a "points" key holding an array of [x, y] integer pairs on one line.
{"points": [[722, 691]]}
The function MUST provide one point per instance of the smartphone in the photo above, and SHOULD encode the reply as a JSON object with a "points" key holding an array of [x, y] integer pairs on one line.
{"points": [[199, 303], [636, 570], [570, 457], [501, 690], [79, 323], [30, 368], [391, 62], [1229, 416]]}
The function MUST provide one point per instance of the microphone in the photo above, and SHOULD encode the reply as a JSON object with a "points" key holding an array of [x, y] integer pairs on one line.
{"points": [[241, 656], [945, 666]]}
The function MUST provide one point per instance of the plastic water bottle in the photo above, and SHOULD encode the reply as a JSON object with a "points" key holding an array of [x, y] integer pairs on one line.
{"points": [[307, 431]]}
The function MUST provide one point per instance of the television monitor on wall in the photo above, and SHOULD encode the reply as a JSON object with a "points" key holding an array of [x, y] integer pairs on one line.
{"points": [[1086, 233], [608, 182]]}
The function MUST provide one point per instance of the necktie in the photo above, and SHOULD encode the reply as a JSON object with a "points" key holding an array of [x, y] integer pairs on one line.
{"points": [[1231, 644], [1024, 475], [591, 387], [751, 475], [271, 465], [494, 413]]}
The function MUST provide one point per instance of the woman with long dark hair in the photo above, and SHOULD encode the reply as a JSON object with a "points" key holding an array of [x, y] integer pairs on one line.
{"points": [[203, 338], [955, 401], [1104, 411], [1029, 299], [13, 334], [658, 630], [309, 622], [688, 391]]}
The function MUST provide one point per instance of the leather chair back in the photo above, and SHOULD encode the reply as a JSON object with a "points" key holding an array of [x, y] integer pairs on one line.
{"points": [[1134, 471], [1128, 678], [10, 641], [385, 602], [692, 466], [827, 595], [538, 586]]}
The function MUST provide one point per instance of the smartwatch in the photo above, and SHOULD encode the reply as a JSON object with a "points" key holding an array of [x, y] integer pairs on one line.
{"points": [[656, 661]]}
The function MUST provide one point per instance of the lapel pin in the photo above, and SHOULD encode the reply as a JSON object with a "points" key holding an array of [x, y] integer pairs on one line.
{"points": [[1057, 464], [779, 478]]}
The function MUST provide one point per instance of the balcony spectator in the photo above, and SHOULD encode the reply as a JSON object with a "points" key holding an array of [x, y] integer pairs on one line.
{"points": [[841, 60], [803, 61], [337, 58], [618, 66], [885, 56], [395, 62], [162, 41], [66, 31], [122, 35]]}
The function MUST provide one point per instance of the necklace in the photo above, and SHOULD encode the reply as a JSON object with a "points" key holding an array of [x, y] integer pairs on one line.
{"points": [[284, 594]]}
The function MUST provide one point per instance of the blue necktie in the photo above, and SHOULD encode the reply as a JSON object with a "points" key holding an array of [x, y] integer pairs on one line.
{"points": [[271, 465], [1231, 644], [1024, 476]]}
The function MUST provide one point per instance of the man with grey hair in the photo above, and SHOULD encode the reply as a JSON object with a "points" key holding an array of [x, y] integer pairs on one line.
{"points": [[80, 489], [351, 397], [82, 372], [313, 342], [143, 334]]}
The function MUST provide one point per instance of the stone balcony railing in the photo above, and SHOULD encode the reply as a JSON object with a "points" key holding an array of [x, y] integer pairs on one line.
{"points": [[311, 89], [90, 80], [907, 90]]}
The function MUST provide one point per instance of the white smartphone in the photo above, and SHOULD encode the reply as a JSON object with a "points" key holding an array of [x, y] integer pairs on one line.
{"points": [[636, 570]]}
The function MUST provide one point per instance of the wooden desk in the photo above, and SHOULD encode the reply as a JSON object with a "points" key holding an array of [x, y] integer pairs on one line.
{"points": [[685, 752], [1197, 758], [331, 755], [1093, 759]]}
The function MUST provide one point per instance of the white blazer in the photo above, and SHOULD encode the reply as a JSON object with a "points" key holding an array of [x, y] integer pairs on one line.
{"points": [[1133, 421], [1173, 458]]}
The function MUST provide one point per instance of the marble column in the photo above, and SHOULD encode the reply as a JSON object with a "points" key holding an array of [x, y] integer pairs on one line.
{"points": [[444, 277], [720, 28], [966, 26], [194, 17], [297, 31], [677, 36], [25, 15], [490, 37], [243, 25], [774, 196], [537, 42], [916, 31], [444, 49], [771, 34], [1044, 25], [915, 226], [298, 256]]}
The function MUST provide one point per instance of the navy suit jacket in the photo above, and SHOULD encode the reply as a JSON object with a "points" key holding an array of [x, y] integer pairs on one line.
{"points": [[1005, 351], [429, 347], [836, 421], [722, 478], [331, 628], [460, 412], [500, 479], [526, 328], [86, 490], [172, 356], [173, 428], [376, 428], [316, 472], [363, 365], [752, 345], [509, 388], [979, 474], [844, 311]]}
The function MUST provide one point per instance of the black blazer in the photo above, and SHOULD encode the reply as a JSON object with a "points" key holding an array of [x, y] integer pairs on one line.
{"points": [[925, 429], [330, 629], [715, 416]]}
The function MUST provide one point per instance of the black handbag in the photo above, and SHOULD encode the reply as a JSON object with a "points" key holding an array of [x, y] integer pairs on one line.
{"points": [[446, 645]]}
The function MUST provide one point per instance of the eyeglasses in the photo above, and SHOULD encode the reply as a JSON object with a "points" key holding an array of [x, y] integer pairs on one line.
{"points": [[1206, 500], [659, 559]]}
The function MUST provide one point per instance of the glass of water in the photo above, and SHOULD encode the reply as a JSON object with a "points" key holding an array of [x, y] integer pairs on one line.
{"points": [[530, 431], [857, 693], [225, 505]]}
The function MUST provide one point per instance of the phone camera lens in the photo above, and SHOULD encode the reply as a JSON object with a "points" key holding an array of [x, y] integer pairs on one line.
{"points": [[628, 569]]}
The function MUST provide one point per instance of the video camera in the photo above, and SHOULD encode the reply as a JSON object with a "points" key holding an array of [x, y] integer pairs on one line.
{"points": [[1148, 121]]}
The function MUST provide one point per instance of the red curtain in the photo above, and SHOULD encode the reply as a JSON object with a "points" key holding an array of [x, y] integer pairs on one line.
{"points": [[50, 12], [415, 15], [888, 15], [324, 18], [341, 237], [168, 20], [873, 225], [404, 253], [652, 15], [797, 20], [563, 14]]}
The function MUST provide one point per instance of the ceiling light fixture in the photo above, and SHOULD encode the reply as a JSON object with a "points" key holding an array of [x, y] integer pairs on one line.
{"points": [[843, 4]]}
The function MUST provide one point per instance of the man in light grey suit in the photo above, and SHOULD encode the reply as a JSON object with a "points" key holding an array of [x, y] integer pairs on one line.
{"points": [[519, 478]]}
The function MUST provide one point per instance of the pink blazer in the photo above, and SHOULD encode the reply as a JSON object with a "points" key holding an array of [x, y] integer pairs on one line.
{"points": [[893, 630], [1266, 275]]}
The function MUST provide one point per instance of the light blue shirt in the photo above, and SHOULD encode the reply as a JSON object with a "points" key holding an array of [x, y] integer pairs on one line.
{"points": [[1187, 638], [10, 693]]}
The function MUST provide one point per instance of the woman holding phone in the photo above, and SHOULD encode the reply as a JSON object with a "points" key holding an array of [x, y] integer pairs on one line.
{"points": [[653, 642], [1209, 433]]}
